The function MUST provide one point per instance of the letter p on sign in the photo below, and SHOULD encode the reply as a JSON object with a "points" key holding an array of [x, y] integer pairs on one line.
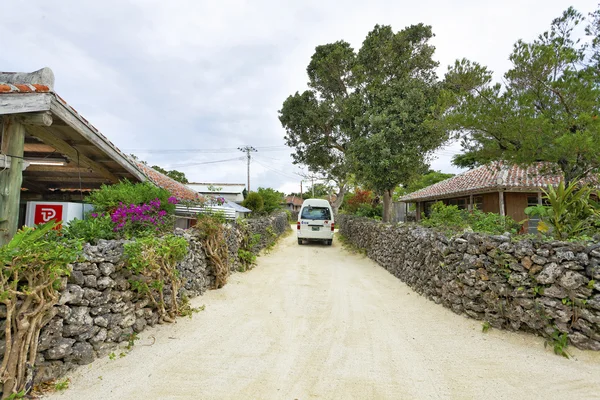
{"points": [[47, 212]]}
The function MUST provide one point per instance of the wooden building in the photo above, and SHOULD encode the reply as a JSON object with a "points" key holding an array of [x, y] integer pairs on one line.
{"points": [[49, 152], [498, 188]]}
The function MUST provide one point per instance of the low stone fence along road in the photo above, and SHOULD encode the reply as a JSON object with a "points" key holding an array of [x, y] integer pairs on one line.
{"points": [[320, 322]]}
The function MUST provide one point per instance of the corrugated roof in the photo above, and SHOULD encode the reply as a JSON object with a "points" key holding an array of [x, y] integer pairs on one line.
{"points": [[496, 176], [236, 207]]}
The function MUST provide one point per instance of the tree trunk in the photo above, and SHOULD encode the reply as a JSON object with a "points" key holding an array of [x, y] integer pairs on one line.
{"points": [[339, 199], [387, 205]]}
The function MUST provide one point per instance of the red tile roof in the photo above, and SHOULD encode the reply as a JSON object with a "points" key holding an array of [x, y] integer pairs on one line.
{"points": [[177, 189], [488, 178], [26, 88], [297, 201]]}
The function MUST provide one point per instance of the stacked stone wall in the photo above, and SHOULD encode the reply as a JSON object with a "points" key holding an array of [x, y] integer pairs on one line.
{"points": [[97, 310], [531, 285]]}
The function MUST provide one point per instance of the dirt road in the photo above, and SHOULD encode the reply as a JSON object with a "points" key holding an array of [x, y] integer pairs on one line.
{"points": [[317, 322]]}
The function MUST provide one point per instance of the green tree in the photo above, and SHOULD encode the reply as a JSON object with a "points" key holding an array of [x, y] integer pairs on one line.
{"points": [[319, 121], [254, 202], [272, 199], [398, 94], [173, 174], [546, 109]]}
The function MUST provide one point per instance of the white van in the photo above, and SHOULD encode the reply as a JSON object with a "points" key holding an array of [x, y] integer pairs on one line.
{"points": [[315, 221]]}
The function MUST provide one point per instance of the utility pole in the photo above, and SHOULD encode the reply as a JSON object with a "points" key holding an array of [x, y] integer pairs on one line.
{"points": [[248, 150]]}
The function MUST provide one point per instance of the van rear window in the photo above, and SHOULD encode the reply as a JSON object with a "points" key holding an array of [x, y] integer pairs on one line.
{"points": [[316, 213]]}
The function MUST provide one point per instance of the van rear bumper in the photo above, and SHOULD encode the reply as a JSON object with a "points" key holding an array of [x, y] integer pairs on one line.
{"points": [[320, 235]]}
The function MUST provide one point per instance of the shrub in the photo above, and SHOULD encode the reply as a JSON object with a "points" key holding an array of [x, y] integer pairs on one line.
{"points": [[110, 197], [271, 199], [452, 219], [154, 264], [570, 213], [91, 229], [358, 198], [32, 264], [254, 202], [370, 211]]}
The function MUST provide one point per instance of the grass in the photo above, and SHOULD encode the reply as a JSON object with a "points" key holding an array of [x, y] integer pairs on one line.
{"points": [[350, 246]]}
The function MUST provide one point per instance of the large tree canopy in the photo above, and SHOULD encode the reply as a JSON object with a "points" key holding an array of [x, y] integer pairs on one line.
{"points": [[546, 109], [398, 95], [319, 121], [366, 113]]}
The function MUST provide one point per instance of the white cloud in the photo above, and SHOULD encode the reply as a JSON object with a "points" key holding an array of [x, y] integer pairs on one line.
{"points": [[201, 74]]}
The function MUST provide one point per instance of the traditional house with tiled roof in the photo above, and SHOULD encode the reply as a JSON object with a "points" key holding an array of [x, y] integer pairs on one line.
{"points": [[50, 152], [498, 188], [293, 203]]}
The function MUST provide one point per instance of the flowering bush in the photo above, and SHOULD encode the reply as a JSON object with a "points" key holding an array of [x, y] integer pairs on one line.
{"points": [[135, 219], [111, 197]]}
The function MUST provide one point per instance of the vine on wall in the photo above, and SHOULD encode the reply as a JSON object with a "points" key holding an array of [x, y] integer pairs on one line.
{"points": [[32, 263]]}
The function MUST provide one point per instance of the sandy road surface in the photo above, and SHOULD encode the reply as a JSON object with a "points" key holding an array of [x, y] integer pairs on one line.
{"points": [[317, 322]]}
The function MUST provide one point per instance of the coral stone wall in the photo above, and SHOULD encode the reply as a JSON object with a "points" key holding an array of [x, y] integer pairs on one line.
{"points": [[98, 310], [530, 285]]}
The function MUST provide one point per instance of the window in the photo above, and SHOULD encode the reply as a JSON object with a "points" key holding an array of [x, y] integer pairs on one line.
{"points": [[461, 203], [532, 200], [316, 213], [478, 203]]}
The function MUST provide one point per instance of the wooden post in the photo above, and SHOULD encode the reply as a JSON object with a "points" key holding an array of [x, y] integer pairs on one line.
{"points": [[501, 203], [13, 139], [540, 202], [417, 211], [471, 202]]}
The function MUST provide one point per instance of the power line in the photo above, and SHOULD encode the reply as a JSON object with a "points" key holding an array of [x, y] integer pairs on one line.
{"points": [[205, 162], [208, 151], [274, 170]]}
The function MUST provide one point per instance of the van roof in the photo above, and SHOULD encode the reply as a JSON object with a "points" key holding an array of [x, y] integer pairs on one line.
{"points": [[316, 202]]}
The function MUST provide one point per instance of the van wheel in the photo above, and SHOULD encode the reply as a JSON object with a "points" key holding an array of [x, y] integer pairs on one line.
{"points": [[329, 242], [300, 241]]}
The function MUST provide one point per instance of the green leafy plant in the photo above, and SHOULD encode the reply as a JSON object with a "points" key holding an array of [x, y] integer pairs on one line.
{"points": [[570, 211], [109, 197], [33, 264], [112, 356], [211, 231], [450, 218], [153, 261], [485, 326], [559, 343], [272, 199], [254, 202], [62, 384], [90, 229]]}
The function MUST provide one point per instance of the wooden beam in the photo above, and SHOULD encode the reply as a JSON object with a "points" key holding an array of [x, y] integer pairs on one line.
{"points": [[38, 148], [41, 119], [60, 179], [501, 203], [64, 148], [13, 135], [71, 167], [24, 102], [75, 122]]}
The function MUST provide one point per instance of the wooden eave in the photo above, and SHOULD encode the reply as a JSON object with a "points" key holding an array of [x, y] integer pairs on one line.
{"points": [[91, 159]]}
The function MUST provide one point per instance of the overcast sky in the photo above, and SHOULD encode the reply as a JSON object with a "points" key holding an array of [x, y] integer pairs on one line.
{"points": [[158, 77]]}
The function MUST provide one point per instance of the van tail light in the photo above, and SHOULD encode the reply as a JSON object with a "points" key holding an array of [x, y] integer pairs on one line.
{"points": [[332, 226], [298, 225]]}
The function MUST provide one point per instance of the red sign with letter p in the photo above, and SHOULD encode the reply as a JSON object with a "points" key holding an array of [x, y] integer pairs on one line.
{"points": [[47, 212]]}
